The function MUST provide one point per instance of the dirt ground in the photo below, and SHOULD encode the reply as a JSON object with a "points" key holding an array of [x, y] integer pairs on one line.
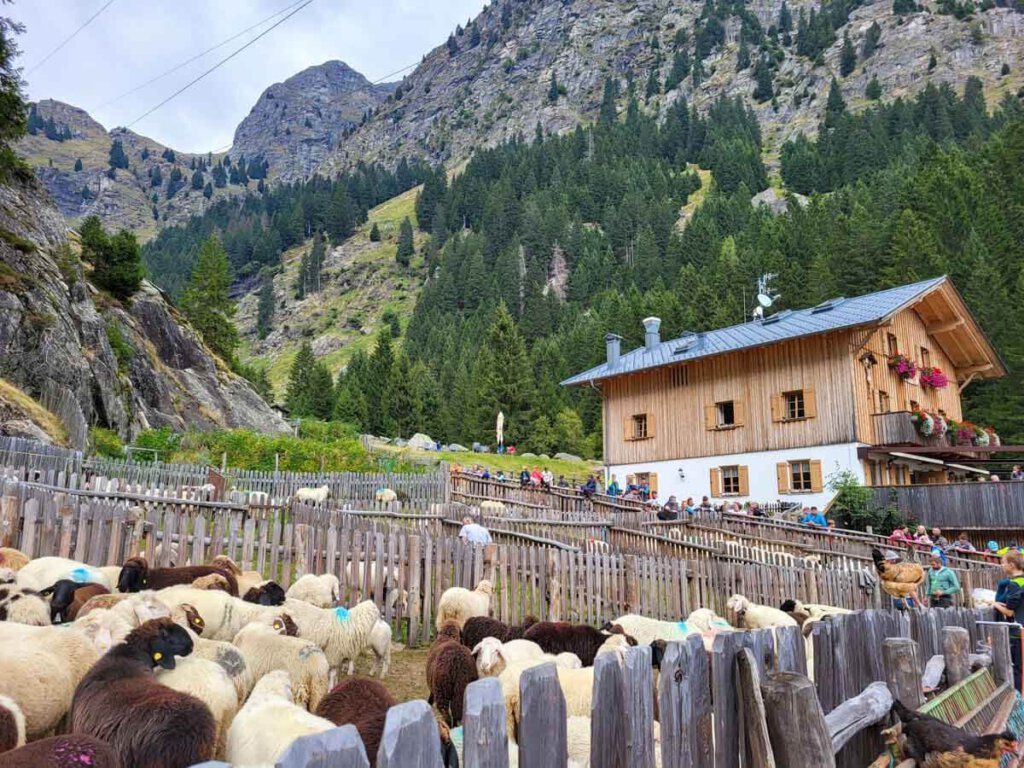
{"points": [[406, 679]]}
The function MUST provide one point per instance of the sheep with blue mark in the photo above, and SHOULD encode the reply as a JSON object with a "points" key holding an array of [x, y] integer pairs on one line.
{"points": [[42, 572], [342, 633], [647, 631], [265, 649]]}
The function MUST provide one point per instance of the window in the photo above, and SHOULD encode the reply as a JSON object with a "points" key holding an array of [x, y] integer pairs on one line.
{"points": [[640, 426], [883, 401], [894, 348], [731, 481], [800, 476], [795, 408], [725, 414], [926, 358]]}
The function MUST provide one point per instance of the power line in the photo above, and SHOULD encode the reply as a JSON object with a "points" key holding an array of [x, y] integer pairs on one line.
{"points": [[219, 64], [71, 37], [185, 63]]}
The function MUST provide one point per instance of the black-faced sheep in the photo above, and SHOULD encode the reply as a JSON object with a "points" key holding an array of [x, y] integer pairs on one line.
{"points": [[270, 593], [136, 575], [477, 628], [364, 703], [147, 724], [67, 597], [558, 637], [72, 750], [450, 669]]}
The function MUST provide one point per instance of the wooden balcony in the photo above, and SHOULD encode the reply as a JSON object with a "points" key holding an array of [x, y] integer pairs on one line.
{"points": [[983, 506], [898, 428]]}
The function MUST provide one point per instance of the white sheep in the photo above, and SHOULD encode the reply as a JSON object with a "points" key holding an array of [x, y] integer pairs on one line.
{"points": [[8, 576], [380, 646], [221, 652], [617, 644], [223, 615], [40, 667], [23, 606], [265, 650], [322, 591], [385, 496], [459, 604], [753, 616], [112, 573], [15, 739], [577, 687], [701, 621], [268, 724], [43, 572], [494, 656], [342, 633], [493, 508], [313, 495], [208, 682]]}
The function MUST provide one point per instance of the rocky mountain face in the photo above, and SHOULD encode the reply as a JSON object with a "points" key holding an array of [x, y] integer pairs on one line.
{"points": [[296, 124], [70, 153], [128, 366], [494, 80]]}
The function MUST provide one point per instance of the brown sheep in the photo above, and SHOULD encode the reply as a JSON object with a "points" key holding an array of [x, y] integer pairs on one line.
{"points": [[477, 628], [67, 598], [136, 575], [270, 593], [13, 558], [450, 669], [364, 703], [213, 581], [560, 636], [72, 750], [146, 723]]}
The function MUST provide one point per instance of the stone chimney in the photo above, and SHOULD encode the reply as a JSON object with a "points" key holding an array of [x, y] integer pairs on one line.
{"points": [[612, 345], [652, 332]]}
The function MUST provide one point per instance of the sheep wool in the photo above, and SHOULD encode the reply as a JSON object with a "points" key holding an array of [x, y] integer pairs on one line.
{"points": [[23, 606], [380, 646], [208, 682], [72, 749], [41, 572], [265, 650], [268, 723], [459, 604], [342, 633], [12, 724], [753, 616], [313, 495], [321, 591], [13, 558]]}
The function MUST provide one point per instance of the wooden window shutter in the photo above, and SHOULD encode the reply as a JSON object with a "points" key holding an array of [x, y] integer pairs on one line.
{"points": [[816, 483], [652, 481], [810, 409], [716, 482], [744, 481], [650, 425], [778, 408], [739, 412], [627, 428], [782, 471], [710, 416]]}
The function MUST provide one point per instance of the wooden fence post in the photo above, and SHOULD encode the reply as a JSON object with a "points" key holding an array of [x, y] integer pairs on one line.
{"points": [[791, 653], [1002, 665], [753, 726], [28, 531], [851, 717], [414, 607], [336, 748], [607, 725], [542, 728], [903, 670], [554, 587], [638, 687], [796, 724], [9, 521], [485, 741], [723, 694], [684, 697], [411, 738], [956, 647], [632, 584]]}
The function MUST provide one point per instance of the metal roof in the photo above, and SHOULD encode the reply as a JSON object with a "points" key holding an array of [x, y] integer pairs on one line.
{"points": [[832, 315]]}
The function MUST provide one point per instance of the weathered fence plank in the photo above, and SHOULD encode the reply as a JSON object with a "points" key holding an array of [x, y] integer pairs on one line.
{"points": [[607, 725], [485, 741], [639, 698], [542, 729], [956, 647], [796, 724], [852, 716], [903, 670], [411, 738], [685, 709], [336, 748]]}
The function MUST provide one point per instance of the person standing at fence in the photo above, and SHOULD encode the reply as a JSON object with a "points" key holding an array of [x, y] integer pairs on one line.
{"points": [[941, 583], [473, 533], [1009, 606], [613, 487]]}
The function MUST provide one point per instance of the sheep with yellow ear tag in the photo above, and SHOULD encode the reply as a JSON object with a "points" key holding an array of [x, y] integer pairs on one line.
{"points": [[266, 645]]}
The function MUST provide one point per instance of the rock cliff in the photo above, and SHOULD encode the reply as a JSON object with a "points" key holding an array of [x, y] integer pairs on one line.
{"points": [[128, 366]]}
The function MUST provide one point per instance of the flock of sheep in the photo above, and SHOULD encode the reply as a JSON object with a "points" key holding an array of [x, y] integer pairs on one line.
{"points": [[167, 667]]}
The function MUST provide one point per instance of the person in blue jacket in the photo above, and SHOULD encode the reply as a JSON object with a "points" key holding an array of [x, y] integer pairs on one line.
{"points": [[1009, 606]]}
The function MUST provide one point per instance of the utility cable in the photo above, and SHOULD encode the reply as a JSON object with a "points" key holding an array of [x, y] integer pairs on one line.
{"points": [[70, 37]]}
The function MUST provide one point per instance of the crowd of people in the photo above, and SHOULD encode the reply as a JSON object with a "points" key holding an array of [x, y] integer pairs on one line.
{"points": [[936, 543]]}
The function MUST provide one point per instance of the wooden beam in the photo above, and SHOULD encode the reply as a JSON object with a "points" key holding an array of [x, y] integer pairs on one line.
{"points": [[982, 368], [931, 330], [853, 716]]}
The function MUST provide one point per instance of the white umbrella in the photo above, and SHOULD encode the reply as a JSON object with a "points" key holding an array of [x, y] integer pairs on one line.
{"points": [[499, 429]]}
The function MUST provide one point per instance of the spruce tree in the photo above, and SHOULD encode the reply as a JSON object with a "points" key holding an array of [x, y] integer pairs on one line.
{"points": [[680, 69], [932, 61], [375, 387], [871, 38], [903, 7], [653, 87], [220, 177], [847, 56], [504, 381], [207, 303], [785, 18], [299, 396], [836, 105], [208, 190], [197, 181], [78, 165], [743, 56], [117, 260], [265, 308], [764, 88], [375, 233], [874, 89], [406, 246], [553, 90], [321, 392], [117, 158], [609, 110]]}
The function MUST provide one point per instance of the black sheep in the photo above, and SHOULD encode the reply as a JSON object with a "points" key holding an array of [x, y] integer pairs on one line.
{"points": [[67, 596], [477, 628], [147, 724], [561, 637], [136, 575], [270, 593]]}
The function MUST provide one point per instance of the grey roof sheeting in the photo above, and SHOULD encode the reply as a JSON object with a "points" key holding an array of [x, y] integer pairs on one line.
{"points": [[831, 315]]}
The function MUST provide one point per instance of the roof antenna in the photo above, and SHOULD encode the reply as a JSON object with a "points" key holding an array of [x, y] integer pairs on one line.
{"points": [[765, 297]]}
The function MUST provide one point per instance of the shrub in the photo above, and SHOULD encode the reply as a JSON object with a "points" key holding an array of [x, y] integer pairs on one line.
{"points": [[165, 441], [105, 442], [123, 351]]}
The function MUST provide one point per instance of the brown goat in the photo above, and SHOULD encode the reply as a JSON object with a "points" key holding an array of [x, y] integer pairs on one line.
{"points": [[71, 750], [147, 724], [477, 628], [136, 575]]}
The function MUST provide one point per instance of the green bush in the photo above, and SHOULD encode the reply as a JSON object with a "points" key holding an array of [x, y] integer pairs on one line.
{"points": [[854, 506], [165, 441], [123, 351], [105, 442], [334, 447]]}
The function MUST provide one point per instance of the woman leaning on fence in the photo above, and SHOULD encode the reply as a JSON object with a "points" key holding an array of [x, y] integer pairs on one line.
{"points": [[1009, 606]]}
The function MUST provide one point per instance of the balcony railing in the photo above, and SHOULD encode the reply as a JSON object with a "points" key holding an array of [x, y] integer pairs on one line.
{"points": [[956, 506], [898, 428]]}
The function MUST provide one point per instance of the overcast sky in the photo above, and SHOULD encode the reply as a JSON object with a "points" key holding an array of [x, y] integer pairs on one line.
{"points": [[135, 40]]}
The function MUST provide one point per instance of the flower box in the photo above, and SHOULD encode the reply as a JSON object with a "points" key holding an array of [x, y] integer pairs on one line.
{"points": [[903, 366], [933, 378]]}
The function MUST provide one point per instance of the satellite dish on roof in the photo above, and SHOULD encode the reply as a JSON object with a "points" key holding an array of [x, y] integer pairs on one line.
{"points": [[765, 300]]}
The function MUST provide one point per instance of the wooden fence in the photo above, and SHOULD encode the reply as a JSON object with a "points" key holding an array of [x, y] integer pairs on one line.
{"points": [[60, 401], [983, 506]]}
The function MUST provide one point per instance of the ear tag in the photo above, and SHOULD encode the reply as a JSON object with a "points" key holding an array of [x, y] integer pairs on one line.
{"points": [[157, 656], [278, 625], [341, 614]]}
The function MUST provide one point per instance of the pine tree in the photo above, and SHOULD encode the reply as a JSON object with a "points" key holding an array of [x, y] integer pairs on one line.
{"points": [[764, 88], [609, 110], [903, 7], [406, 247], [680, 69], [847, 56], [197, 181], [553, 90], [932, 61], [207, 303], [743, 56], [308, 279], [874, 89], [654, 84], [320, 392], [341, 215], [504, 379], [155, 177], [785, 18], [835, 106], [208, 190], [453, 46], [117, 260], [299, 397], [871, 38], [375, 233], [78, 165], [265, 308], [375, 387], [220, 177], [117, 158]]}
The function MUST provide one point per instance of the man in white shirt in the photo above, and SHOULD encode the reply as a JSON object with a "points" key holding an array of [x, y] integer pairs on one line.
{"points": [[473, 532]]}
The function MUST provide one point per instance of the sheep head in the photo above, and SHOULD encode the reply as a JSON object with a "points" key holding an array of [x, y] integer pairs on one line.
{"points": [[192, 618], [225, 563], [738, 603], [161, 640], [269, 594], [485, 587], [134, 575]]}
